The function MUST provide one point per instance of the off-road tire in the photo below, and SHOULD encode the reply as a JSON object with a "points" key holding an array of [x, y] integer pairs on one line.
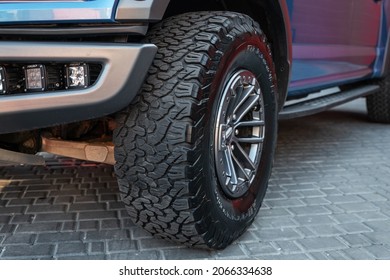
{"points": [[165, 140], [378, 104]]}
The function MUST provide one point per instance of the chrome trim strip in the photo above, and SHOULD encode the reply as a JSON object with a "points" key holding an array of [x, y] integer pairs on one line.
{"points": [[124, 69], [55, 31]]}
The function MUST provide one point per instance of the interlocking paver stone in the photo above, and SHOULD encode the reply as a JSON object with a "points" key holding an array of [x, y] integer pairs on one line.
{"points": [[357, 254], [378, 237], [310, 210], [358, 207], [121, 246], [322, 243], [314, 220], [379, 226], [326, 230], [39, 227], [261, 248], [60, 237], [379, 251], [278, 234], [71, 248], [33, 251], [355, 228], [329, 255], [287, 247], [187, 253], [107, 235], [18, 239], [356, 240]]}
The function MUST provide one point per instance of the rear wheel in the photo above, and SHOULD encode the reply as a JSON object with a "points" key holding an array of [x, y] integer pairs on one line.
{"points": [[194, 151], [378, 104]]}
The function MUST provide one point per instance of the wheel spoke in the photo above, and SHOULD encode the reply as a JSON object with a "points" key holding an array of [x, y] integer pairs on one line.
{"points": [[242, 97], [231, 172], [250, 123], [242, 169], [250, 140], [245, 156], [246, 107]]}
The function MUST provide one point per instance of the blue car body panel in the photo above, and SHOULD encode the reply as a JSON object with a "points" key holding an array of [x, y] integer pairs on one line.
{"points": [[21, 12], [336, 42]]}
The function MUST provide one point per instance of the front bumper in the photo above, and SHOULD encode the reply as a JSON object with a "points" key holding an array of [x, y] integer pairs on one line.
{"points": [[124, 67]]}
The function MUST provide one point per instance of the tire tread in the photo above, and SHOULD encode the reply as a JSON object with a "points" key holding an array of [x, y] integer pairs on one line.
{"points": [[159, 138]]}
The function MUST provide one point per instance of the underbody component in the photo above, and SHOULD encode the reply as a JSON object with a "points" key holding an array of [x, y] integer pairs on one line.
{"points": [[98, 151]]}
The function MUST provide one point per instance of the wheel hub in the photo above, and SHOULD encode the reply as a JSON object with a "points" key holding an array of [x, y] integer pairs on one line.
{"points": [[239, 137]]}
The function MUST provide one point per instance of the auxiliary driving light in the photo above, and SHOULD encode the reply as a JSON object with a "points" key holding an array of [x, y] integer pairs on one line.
{"points": [[77, 75], [3, 86], [35, 77]]}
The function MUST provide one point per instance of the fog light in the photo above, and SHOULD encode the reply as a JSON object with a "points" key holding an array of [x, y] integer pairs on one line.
{"points": [[3, 86], [35, 77], [77, 75]]}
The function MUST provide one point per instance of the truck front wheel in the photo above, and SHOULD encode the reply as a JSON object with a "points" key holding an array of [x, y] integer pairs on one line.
{"points": [[194, 151]]}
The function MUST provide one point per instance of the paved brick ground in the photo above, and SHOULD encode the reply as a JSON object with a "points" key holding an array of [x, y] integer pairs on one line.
{"points": [[328, 199]]}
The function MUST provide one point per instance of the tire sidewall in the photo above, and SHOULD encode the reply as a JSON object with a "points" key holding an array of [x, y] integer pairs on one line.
{"points": [[247, 52]]}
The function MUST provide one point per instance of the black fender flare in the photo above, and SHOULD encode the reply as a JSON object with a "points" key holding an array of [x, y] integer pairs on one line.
{"points": [[279, 34]]}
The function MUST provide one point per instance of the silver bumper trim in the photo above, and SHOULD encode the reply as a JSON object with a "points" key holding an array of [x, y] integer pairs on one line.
{"points": [[151, 10], [124, 69]]}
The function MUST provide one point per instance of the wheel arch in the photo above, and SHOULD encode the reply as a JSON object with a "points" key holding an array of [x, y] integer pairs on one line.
{"points": [[274, 20]]}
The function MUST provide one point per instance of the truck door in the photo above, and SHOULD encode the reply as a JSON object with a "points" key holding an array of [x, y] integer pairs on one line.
{"points": [[333, 42]]}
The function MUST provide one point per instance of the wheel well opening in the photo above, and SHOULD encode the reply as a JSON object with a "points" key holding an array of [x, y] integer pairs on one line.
{"points": [[267, 13], [250, 8]]}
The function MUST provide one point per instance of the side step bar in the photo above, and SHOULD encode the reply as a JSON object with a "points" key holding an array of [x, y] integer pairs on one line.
{"points": [[323, 103]]}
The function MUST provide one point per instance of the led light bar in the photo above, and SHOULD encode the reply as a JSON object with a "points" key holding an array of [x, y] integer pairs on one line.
{"points": [[3, 85], [35, 77], [38, 77], [77, 75]]}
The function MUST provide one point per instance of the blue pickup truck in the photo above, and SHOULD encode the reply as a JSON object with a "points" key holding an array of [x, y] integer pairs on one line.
{"points": [[183, 97]]}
